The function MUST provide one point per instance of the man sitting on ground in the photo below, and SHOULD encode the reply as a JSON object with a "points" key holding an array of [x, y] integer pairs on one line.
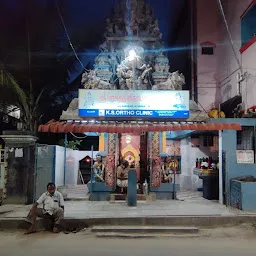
{"points": [[53, 208]]}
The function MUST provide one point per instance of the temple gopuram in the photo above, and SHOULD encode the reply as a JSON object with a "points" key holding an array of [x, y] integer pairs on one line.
{"points": [[130, 97]]}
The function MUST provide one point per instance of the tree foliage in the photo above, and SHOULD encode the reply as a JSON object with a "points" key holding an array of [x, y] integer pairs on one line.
{"points": [[33, 76], [72, 144]]}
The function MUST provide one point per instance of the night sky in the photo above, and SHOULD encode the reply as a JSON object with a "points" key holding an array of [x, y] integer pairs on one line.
{"points": [[85, 22], [86, 19]]}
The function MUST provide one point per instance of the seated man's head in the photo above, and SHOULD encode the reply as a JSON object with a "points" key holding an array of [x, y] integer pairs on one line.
{"points": [[51, 188], [125, 164], [96, 165], [99, 159], [167, 160]]}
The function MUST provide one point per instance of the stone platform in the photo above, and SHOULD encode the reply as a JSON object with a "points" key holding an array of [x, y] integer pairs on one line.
{"points": [[193, 212]]}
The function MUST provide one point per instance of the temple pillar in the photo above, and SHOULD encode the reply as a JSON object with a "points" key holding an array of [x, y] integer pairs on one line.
{"points": [[110, 160], [156, 168]]}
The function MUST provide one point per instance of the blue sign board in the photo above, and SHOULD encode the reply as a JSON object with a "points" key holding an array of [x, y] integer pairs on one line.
{"points": [[138, 104]]}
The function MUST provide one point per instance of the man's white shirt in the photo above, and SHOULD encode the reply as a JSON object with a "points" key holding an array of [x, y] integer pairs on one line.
{"points": [[51, 202]]}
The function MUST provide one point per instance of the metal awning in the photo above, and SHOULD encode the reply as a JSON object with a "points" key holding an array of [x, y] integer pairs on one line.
{"points": [[131, 127]]}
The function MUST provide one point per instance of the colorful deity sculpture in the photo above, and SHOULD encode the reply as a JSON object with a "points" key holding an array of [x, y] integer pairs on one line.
{"points": [[103, 67], [161, 68]]}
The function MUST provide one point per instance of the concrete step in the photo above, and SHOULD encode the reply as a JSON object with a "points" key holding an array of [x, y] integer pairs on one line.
{"points": [[77, 192], [122, 197], [206, 221], [145, 229], [76, 199], [139, 235], [77, 189], [73, 190]]}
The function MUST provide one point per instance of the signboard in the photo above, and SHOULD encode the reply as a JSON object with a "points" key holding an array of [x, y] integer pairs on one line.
{"points": [[245, 156], [133, 104]]}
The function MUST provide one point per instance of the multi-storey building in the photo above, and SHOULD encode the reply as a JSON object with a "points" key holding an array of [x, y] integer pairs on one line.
{"points": [[226, 54]]}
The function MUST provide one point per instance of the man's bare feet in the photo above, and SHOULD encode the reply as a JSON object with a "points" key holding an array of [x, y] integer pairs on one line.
{"points": [[55, 230], [30, 231]]}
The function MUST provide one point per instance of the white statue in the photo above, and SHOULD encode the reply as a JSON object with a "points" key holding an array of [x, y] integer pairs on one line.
{"points": [[142, 78], [73, 106], [72, 111], [91, 81], [175, 81]]}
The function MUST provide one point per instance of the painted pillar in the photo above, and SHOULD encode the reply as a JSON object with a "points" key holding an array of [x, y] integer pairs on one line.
{"points": [[229, 141], [156, 169], [102, 142], [220, 169], [110, 160], [164, 142]]}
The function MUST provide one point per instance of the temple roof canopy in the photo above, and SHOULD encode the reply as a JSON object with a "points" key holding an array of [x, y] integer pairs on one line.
{"points": [[132, 127]]}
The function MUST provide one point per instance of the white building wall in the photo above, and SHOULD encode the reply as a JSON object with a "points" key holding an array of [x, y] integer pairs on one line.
{"points": [[249, 85], [208, 21], [59, 166], [187, 165], [72, 165], [228, 68], [189, 154], [220, 72]]}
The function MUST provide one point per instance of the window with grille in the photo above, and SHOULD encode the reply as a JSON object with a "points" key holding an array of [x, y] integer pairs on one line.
{"points": [[246, 138], [207, 50], [208, 141]]}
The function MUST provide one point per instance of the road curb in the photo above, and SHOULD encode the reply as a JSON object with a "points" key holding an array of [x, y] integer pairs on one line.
{"points": [[144, 236], [198, 221]]}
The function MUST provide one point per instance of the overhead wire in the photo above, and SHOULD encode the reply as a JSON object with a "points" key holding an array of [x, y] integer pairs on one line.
{"points": [[68, 37], [219, 3], [77, 137]]}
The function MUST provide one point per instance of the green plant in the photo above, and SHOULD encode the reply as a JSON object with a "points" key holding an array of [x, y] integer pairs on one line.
{"points": [[72, 144]]}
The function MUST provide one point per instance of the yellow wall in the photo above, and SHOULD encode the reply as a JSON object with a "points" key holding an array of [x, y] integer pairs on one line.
{"points": [[164, 142], [101, 142]]}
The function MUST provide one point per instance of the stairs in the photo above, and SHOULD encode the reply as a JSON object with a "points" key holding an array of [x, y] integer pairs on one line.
{"points": [[144, 231], [76, 193], [122, 197], [140, 197]]}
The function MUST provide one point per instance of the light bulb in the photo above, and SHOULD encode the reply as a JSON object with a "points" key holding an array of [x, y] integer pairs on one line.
{"points": [[132, 55]]}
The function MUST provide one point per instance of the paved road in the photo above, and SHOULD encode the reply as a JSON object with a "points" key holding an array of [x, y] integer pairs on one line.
{"points": [[82, 244]]}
